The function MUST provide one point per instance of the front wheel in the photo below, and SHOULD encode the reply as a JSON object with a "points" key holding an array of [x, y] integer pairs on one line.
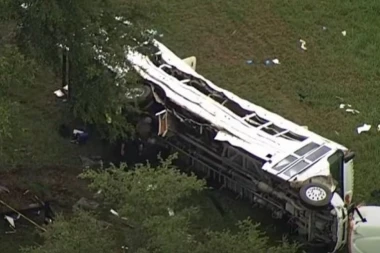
{"points": [[315, 195]]}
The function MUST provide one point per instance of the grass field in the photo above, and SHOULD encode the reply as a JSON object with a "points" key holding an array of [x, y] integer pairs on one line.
{"points": [[223, 35]]}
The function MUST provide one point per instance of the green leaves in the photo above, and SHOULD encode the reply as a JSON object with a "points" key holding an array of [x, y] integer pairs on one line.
{"points": [[97, 41], [144, 191], [247, 240], [81, 233], [16, 70], [154, 214]]}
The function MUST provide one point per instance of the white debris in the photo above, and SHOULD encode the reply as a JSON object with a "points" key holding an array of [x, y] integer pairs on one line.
{"points": [[363, 128], [66, 87], [24, 6], [76, 131], [378, 127], [344, 33], [171, 212], [59, 93], [342, 106], [10, 220], [303, 43], [353, 111], [349, 109], [276, 61], [114, 212]]}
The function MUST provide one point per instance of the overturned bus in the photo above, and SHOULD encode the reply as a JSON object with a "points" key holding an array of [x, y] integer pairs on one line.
{"points": [[263, 157]]}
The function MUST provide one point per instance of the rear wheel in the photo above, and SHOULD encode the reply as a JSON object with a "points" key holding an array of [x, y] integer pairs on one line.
{"points": [[315, 195]]}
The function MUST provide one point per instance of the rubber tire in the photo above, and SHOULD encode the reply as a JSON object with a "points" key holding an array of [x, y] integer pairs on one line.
{"points": [[147, 95], [315, 204]]}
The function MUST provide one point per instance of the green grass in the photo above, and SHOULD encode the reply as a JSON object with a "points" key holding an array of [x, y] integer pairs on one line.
{"points": [[224, 34]]}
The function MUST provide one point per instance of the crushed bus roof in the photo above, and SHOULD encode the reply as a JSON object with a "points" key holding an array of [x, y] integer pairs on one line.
{"points": [[260, 132]]}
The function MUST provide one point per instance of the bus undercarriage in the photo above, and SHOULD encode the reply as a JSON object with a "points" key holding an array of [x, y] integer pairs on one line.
{"points": [[241, 173]]}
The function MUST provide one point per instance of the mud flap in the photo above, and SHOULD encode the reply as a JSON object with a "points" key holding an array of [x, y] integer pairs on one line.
{"points": [[163, 125]]}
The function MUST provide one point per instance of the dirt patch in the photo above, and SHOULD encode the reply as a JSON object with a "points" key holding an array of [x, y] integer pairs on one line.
{"points": [[48, 183]]}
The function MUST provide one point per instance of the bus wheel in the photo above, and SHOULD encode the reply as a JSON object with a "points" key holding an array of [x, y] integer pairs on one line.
{"points": [[315, 195]]}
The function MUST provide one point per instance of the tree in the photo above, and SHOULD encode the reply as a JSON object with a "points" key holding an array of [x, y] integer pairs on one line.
{"points": [[95, 37], [81, 233], [247, 240], [16, 71], [154, 215]]}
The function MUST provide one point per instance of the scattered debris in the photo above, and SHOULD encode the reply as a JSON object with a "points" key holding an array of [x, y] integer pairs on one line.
{"points": [[11, 221], [85, 204], [118, 215], [344, 33], [269, 62], [63, 92], [363, 128], [249, 62], [303, 43], [353, 111], [342, 106], [378, 127], [324, 28], [349, 109], [59, 93], [114, 213]]}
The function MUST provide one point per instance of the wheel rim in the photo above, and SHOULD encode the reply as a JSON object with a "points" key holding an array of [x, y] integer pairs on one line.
{"points": [[316, 193]]}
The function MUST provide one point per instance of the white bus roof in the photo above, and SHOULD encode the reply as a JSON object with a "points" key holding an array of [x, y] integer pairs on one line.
{"points": [[272, 141]]}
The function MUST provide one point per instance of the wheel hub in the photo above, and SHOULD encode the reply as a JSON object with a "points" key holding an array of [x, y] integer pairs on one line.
{"points": [[316, 193]]}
